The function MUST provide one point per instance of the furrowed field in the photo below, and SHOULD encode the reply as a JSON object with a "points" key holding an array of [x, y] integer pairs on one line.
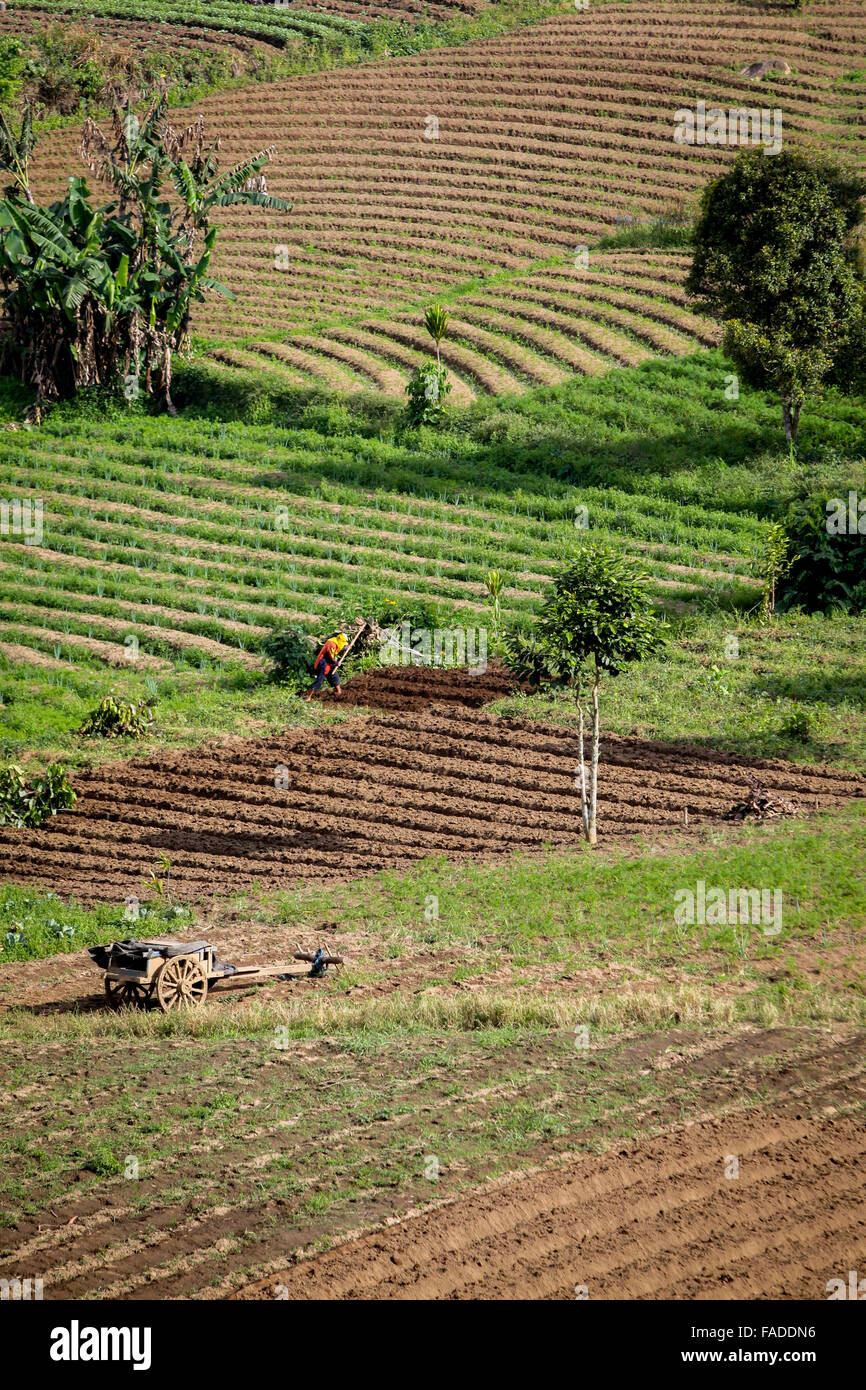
{"points": [[538, 1056], [482, 172]]}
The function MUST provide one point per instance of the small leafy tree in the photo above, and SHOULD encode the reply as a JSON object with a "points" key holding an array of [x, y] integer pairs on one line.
{"points": [[597, 619], [776, 561], [94, 295], [776, 261]]}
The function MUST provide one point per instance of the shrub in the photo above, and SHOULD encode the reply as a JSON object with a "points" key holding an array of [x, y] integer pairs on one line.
{"points": [[115, 718], [426, 391], [25, 805], [291, 655], [830, 568], [11, 67]]}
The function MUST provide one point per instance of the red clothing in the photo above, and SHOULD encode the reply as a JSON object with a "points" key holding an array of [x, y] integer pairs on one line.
{"points": [[330, 652]]}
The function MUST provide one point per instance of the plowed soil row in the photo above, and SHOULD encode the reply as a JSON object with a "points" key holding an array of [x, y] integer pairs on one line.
{"points": [[655, 1220], [413, 687], [378, 792], [230, 1196], [399, 9]]}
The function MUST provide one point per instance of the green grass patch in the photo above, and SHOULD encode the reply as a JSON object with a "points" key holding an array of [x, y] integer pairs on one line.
{"points": [[563, 912], [35, 924], [606, 902]]}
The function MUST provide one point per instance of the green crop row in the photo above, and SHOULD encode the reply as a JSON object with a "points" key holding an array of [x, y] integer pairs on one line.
{"points": [[273, 23], [145, 513]]}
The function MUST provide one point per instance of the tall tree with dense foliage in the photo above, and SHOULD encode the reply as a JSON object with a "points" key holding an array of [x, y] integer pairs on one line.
{"points": [[777, 261], [597, 619], [102, 295]]}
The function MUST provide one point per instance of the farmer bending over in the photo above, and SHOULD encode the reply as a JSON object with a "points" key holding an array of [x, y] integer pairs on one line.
{"points": [[326, 665]]}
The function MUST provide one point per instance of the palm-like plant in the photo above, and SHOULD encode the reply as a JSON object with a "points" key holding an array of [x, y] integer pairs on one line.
{"points": [[494, 584], [436, 323]]}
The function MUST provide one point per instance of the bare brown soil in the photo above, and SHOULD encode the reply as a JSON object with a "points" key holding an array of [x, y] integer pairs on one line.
{"points": [[32, 657], [401, 9], [415, 687], [657, 1219], [230, 1199], [380, 791]]}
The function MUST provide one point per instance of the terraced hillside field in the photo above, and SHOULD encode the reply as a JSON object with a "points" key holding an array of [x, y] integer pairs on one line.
{"points": [[276, 25], [443, 780], [476, 174], [531, 329], [410, 10], [276, 21], [243, 53], [198, 538]]}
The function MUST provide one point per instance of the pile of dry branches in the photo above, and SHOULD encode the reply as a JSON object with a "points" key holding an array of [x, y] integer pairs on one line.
{"points": [[761, 804]]}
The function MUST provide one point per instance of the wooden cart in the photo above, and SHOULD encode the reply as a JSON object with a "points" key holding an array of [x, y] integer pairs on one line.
{"points": [[180, 973]]}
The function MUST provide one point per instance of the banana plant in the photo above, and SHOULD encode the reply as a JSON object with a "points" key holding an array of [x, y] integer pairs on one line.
{"points": [[88, 290]]}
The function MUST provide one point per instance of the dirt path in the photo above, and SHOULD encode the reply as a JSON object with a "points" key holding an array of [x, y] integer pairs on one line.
{"points": [[657, 1219]]}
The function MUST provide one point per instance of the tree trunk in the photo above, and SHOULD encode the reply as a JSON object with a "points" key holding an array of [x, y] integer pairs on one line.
{"points": [[791, 419], [166, 381], [593, 786], [584, 802]]}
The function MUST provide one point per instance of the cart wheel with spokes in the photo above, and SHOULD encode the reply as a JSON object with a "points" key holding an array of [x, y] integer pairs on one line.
{"points": [[180, 983], [118, 992]]}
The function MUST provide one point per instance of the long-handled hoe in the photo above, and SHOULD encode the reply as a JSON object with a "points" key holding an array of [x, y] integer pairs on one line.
{"points": [[364, 624]]}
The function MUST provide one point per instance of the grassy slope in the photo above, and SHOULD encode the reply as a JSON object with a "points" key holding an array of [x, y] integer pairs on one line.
{"points": [[665, 466]]}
